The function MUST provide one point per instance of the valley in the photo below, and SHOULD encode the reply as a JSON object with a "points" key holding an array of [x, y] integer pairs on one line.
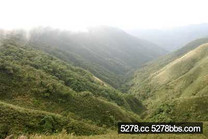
{"points": [[62, 84]]}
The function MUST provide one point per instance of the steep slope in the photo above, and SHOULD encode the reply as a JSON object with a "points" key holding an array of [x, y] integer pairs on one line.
{"points": [[142, 75], [175, 38], [176, 91], [109, 53], [186, 76], [33, 80]]}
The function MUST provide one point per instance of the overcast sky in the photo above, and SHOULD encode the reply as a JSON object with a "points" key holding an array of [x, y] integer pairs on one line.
{"points": [[79, 14]]}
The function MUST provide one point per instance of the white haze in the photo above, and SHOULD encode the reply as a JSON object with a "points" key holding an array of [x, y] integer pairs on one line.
{"points": [[79, 14]]}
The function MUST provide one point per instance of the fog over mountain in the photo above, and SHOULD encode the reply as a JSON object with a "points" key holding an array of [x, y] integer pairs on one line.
{"points": [[109, 53], [75, 69], [173, 38]]}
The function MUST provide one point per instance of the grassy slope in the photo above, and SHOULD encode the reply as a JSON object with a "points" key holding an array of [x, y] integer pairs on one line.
{"points": [[34, 80], [175, 87], [186, 76], [108, 53], [141, 77], [183, 77]]}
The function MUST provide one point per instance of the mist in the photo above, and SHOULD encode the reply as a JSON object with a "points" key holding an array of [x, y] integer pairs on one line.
{"points": [[79, 68], [80, 14]]}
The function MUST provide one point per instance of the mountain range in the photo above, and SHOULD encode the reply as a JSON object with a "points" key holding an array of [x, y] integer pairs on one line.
{"points": [[173, 38], [84, 83]]}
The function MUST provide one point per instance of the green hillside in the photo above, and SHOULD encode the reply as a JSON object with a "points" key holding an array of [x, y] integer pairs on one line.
{"points": [[43, 92], [35, 85], [18, 120], [175, 90], [141, 77], [109, 53]]}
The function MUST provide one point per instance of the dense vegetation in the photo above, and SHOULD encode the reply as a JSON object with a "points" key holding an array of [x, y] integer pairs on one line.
{"points": [[17, 120], [44, 87]]}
